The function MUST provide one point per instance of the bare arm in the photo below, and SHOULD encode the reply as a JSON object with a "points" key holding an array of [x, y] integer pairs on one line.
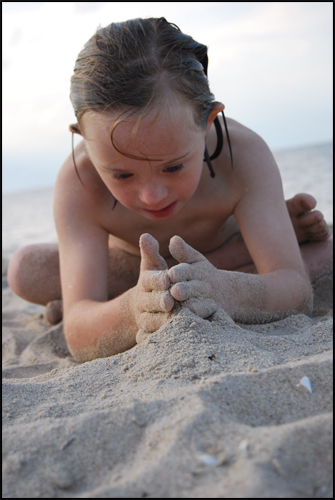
{"points": [[247, 298], [93, 325], [268, 233], [91, 322], [100, 329], [250, 298], [282, 286], [95, 329]]}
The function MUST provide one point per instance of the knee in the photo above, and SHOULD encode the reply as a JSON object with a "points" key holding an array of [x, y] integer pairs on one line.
{"points": [[17, 269]]}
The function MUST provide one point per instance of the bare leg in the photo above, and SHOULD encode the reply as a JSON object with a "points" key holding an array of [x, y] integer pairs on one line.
{"points": [[34, 275]]}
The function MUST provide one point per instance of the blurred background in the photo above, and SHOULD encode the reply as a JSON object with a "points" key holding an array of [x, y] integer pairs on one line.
{"points": [[270, 63]]}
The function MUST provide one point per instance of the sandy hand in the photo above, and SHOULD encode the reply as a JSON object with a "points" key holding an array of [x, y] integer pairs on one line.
{"points": [[194, 278], [153, 301]]}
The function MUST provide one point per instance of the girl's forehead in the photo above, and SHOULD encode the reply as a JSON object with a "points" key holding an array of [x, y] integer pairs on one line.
{"points": [[162, 138], [166, 118], [176, 126]]}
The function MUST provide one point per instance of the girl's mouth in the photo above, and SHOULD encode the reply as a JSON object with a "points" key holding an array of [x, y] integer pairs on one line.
{"points": [[164, 212]]}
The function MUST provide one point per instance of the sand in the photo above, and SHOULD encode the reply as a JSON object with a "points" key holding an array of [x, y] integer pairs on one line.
{"points": [[202, 408]]}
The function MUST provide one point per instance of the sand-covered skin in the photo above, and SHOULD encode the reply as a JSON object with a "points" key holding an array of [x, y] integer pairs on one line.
{"points": [[153, 301], [201, 408]]}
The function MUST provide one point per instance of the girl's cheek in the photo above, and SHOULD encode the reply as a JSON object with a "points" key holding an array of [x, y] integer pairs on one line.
{"points": [[190, 185], [126, 196]]}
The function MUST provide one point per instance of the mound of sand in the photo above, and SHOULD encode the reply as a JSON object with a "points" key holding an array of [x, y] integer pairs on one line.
{"points": [[202, 408]]}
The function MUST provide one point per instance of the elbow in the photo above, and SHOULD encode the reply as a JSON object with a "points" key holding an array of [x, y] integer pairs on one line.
{"points": [[82, 355], [90, 332], [79, 336], [82, 352], [72, 337], [79, 341], [86, 344], [296, 296]]}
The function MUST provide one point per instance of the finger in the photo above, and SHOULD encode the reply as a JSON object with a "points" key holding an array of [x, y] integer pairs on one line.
{"points": [[155, 280], [188, 289], [183, 252], [150, 258], [151, 322], [201, 307], [155, 302], [181, 272]]}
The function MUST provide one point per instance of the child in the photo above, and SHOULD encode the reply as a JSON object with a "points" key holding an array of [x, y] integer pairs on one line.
{"points": [[143, 224]]}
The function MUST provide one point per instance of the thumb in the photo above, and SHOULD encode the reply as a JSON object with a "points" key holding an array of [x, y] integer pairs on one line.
{"points": [[183, 252], [150, 258]]}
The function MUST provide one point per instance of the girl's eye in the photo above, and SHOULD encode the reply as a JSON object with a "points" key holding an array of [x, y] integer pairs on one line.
{"points": [[175, 169], [121, 177], [171, 170]]}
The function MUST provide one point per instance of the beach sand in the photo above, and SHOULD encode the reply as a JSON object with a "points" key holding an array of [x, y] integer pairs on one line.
{"points": [[211, 409]]}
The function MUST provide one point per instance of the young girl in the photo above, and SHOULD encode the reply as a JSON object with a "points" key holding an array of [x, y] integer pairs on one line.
{"points": [[153, 208]]}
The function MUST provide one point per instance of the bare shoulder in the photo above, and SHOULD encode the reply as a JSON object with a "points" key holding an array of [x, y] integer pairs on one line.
{"points": [[254, 166], [261, 210], [256, 174], [252, 156]]}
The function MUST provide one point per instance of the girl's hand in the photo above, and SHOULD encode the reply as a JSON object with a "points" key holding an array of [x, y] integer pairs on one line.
{"points": [[153, 301], [195, 278]]}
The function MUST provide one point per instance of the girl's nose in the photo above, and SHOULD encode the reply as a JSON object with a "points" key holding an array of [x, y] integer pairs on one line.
{"points": [[153, 194]]}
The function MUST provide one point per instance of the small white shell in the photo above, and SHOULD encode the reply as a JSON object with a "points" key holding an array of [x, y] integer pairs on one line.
{"points": [[208, 459], [305, 382], [244, 445]]}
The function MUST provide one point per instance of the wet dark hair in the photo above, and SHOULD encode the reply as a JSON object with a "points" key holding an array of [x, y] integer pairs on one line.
{"points": [[139, 65]]}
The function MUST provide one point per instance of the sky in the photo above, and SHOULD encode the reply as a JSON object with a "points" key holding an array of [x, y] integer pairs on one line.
{"points": [[270, 63]]}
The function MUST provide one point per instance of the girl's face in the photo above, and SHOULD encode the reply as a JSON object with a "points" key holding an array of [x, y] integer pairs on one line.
{"points": [[167, 176]]}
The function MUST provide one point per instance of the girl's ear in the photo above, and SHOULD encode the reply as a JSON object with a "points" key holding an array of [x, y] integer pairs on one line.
{"points": [[214, 112], [74, 127]]}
